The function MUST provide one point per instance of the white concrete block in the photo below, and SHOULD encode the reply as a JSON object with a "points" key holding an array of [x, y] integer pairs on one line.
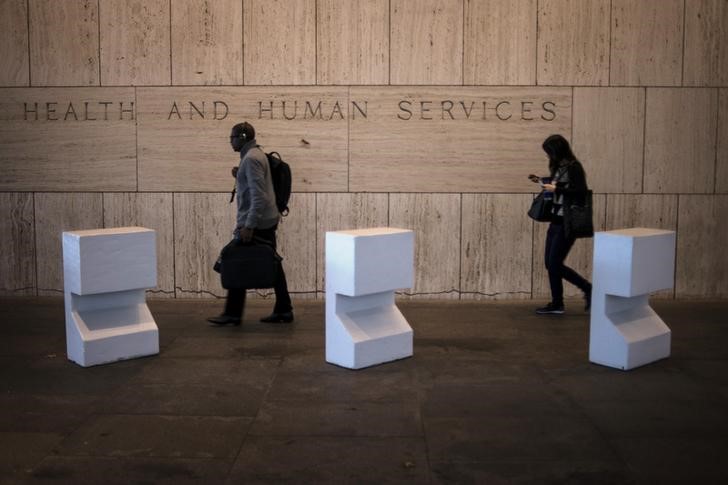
{"points": [[365, 261], [105, 260], [364, 327], [635, 261], [628, 265], [106, 272]]}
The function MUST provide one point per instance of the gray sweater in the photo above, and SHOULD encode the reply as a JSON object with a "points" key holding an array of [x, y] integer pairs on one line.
{"points": [[255, 196]]}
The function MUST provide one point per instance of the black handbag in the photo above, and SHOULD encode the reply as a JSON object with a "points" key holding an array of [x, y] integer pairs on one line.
{"points": [[541, 208], [248, 265], [578, 220]]}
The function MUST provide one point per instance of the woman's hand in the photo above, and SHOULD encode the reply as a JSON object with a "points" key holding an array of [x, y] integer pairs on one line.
{"points": [[549, 187], [245, 234]]}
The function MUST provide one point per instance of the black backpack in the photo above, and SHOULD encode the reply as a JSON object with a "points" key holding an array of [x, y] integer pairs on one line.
{"points": [[281, 173]]}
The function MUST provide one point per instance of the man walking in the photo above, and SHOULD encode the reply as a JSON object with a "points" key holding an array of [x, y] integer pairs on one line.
{"points": [[257, 217]]}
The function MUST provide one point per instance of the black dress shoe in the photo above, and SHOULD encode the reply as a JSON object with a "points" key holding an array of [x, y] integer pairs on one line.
{"points": [[224, 320], [285, 317], [550, 309]]}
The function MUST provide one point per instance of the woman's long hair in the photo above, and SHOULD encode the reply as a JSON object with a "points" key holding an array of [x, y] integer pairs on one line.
{"points": [[558, 150]]}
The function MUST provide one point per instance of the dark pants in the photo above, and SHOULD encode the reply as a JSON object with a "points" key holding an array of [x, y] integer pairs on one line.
{"points": [[557, 248], [235, 303]]}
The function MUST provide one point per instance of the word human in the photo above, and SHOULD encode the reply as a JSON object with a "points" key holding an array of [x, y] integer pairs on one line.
{"points": [[81, 111], [308, 110]]}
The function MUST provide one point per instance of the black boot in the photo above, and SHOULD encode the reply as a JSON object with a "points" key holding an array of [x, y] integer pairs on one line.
{"points": [[223, 319], [275, 317]]}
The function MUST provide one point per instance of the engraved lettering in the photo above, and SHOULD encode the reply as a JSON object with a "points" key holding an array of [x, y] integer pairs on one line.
{"points": [[358, 108], [424, 110], [262, 110], [219, 115], [122, 110], [295, 110], [546, 105], [314, 113], [25, 106], [201, 114], [467, 113], [403, 108], [498, 112], [525, 110], [50, 111], [174, 110], [85, 112], [485, 110], [106, 109], [337, 109], [447, 108], [70, 111]]}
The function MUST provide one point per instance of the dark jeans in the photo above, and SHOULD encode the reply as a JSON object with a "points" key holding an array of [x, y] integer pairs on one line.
{"points": [[557, 248], [235, 302]]}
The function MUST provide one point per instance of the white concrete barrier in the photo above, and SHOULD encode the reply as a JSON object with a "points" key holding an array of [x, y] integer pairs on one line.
{"points": [[105, 274], [364, 327], [629, 264]]}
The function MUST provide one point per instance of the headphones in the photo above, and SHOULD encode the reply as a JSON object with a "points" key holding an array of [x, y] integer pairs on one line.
{"points": [[245, 130]]}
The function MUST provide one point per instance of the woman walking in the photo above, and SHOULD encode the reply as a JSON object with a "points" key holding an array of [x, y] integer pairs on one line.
{"points": [[568, 180]]}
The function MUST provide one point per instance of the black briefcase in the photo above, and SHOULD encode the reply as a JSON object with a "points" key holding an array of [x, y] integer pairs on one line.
{"points": [[248, 266], [578, 217]]}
